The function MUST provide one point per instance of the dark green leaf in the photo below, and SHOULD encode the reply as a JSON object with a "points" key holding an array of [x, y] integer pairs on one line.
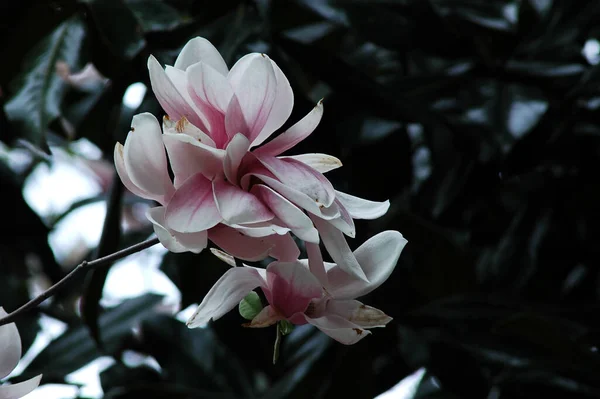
{"points": [[74, 348], [39, 90]]}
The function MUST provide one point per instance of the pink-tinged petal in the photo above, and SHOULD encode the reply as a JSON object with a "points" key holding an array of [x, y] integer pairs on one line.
{"points": [[377, 257], [300, 199], [340, 329], [239, 245], [295, 134], [180, 81], [144, 157], [169, 97], [197, 50], [320, 162], [282, 106], [315, 263], [265, 318], [234, 153], [238, 206], [235, 121], [256, 92], [288, 213], [16, 391], [10, 346], [284, 247], [292, 287], [344, 222], [192, 208], [172, 240], [338, 249], [358, 313], [302, 178], [210, 86], [122, 172], [262, 229], [227, 292], [360, 208], [186, 127], [188, 156], [238, 69]]}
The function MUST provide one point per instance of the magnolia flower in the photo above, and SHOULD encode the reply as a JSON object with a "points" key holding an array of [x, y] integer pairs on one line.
{"points": [[296, 294], [10, 354], [222, 181]]}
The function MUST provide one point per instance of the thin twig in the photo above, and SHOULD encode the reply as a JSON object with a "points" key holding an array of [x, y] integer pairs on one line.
{"points": [[83, 266]]}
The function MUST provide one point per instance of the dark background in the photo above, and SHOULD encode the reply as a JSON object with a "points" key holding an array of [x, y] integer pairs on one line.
{"points": [[479, 121]]}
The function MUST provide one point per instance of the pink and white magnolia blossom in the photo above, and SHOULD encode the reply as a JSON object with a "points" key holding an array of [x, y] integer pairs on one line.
{"points": [[10, 354], [223, 183], [325, 299]]}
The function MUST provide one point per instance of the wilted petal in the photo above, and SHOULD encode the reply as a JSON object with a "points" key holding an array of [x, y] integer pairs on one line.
{"points": [[210, 86], [320, 162], [239, 245], [291, 286], [192, 208], [298, 222], [199, 49], [169, 97], [295, 134], [267, 317], [144, 157], [238, 206], [338, 248], [302, 178], [255, 91], [10, 346], [234, 153], [282, 106], [284, 247], [16, 391], [172, 240], [360, 208], [124, 176], [377, 257], [340, 329], [358, 313], [188, 156], [227, 292]]}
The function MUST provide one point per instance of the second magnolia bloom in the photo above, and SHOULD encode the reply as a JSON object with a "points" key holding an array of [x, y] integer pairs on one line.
{"points": [[310, 291], [244, 198]]}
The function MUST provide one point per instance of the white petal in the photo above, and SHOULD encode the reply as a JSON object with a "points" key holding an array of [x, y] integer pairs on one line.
{"points": [[377, 258], [10, 346], [338, 248], [360, 208], [145, 158], [227, 292], [340, 329], [295, 134], [199, 49], [238, 206], [288, 213], [16, 391], [282, 107], [234, 153], [172, 240], [122, 172], [210, 86]]}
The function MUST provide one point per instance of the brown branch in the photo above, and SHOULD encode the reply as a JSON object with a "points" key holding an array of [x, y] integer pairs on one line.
{"points": [[82, 267]]}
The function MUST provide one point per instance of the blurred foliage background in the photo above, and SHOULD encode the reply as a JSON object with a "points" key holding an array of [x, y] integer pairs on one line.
{"points": [[479, 120]]}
